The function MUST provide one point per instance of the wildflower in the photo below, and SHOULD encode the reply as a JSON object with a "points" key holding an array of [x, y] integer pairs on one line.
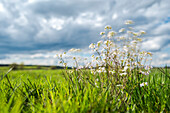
{"points": [[151, 67], [112, 44], [143, 84], [60, 62], [80, 67], [92, 46], [70, 71], [129, 22], [129, 32], [123, 73], [107, 42], [125, 68], [128, 65], [93, 71], [149, 53], [121, 30], [96, 49], [96, 85], [97, 58], [77, 50], [112, 72], [130, 28], [147, 73], [121, 37], [111, 34], [125, 48], [119, 56], [108, 27], [119, 85], [142, 32], [134, 42], [88, 65], [92, 56], [102, 33], [144, 73], [65, 64], [99, 43], [99, 71], [71, 50], [60, 55], [135, 34], [147, 67], [103, 36], [139, 39]]}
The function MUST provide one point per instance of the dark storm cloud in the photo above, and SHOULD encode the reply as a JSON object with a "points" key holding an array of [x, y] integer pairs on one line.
{"points": [[23, 29], [66, 8], [29, 26], [3, 57]]}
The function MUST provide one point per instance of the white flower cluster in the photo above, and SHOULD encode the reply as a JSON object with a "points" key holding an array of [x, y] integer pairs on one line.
{"points": [[118, 53]]}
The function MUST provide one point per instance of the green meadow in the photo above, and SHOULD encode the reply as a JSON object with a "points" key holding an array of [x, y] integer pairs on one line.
{"points": [[52, 91]]}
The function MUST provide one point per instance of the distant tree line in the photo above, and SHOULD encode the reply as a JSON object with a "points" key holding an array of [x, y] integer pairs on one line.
{"points": [[17, 66], [21, 66]]}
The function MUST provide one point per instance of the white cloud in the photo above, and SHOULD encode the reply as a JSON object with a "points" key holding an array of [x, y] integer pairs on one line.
{"points": [[31, 1], [156, 43], [114, 16], [161, 59], [34, 25], [90, 19], [2, 8], [164, 28], [152, 44], [56, 23], [22, 20], [158, 10], [164, 55]]}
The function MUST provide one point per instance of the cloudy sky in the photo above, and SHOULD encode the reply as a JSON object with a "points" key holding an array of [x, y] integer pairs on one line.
{"points": [[33, 31]]}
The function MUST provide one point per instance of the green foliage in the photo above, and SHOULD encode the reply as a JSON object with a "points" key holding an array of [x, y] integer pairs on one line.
{"points": [[21, 66], [15, 66], [48, 91], [53, 67]]}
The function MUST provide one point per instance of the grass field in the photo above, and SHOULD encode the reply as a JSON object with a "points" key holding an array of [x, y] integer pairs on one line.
{"points": [[60, 91]]}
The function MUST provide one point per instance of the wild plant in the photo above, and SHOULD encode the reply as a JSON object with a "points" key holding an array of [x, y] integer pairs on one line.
{"points": [[117, 79], [117, 56], [118, 64]]}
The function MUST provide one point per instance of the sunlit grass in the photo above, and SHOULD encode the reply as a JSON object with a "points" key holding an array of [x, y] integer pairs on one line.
{"points": [[48, 91]]}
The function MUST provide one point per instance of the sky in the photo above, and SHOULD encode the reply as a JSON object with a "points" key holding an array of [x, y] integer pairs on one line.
{"points": [[34, 31]]}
